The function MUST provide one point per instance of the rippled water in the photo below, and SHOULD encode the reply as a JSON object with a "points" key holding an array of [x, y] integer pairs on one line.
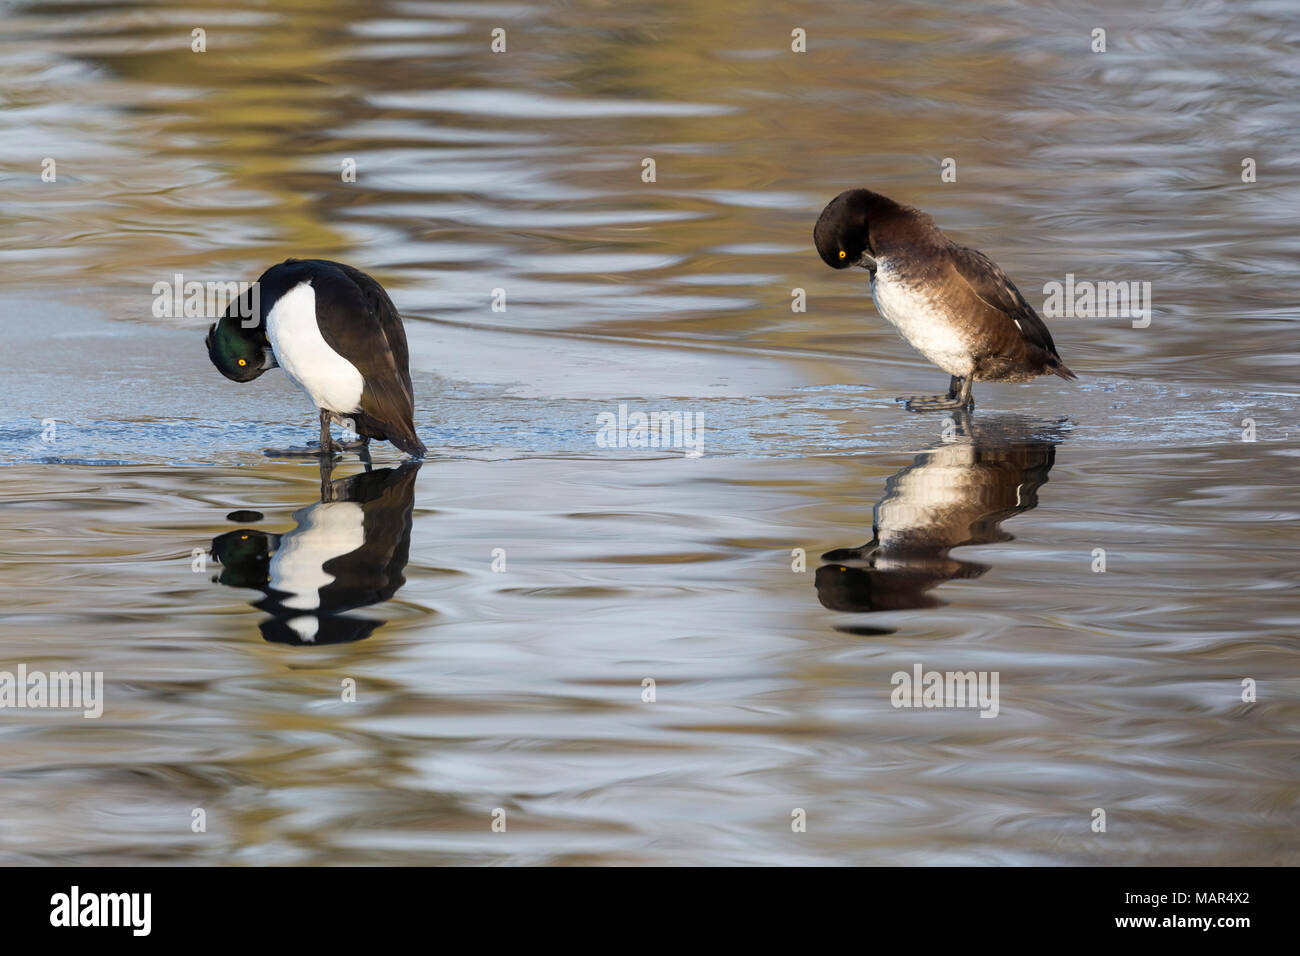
{"points": [[498, 608]]}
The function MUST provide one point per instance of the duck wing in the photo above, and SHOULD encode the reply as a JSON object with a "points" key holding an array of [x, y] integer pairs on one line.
{"points": [[358, 320], [987, 280]]}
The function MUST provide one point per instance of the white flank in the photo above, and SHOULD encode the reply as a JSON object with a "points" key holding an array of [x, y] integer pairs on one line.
{"points": [[921, 320], [306, 627], [325, 531], [330, 380]]}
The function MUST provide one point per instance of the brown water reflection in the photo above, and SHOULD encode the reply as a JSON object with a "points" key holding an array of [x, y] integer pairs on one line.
{"points": [[958, 494]]}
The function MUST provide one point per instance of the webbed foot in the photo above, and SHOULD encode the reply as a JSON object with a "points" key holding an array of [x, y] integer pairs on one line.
{"points": [[958, 396]]}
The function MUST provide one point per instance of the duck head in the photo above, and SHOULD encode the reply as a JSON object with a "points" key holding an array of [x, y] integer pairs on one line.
{"points": [[846, 228], [237, 343]]}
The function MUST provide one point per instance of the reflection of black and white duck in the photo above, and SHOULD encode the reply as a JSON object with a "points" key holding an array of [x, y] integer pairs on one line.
{"points": [[347, 551], [956, 494], [337, 335]]}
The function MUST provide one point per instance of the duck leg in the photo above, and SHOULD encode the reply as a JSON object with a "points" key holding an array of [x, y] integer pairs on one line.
{"points": [[361, 446], [326, 481], [959, 396], [325, 447], [363, 451]]}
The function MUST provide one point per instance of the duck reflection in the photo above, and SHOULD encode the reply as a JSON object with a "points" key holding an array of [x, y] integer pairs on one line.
{"points": [[348, 551], [956, 494]]}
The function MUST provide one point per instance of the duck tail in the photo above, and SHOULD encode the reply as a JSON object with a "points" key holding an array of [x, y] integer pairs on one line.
{"points": [[410, 444], [1061, 369], [403, 437]]}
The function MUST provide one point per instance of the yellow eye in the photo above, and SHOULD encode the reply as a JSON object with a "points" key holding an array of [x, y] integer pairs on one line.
{"points": [[843, 253], [242, 362]]}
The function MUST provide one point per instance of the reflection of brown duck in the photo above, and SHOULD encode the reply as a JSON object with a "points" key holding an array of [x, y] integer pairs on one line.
{"points": [[957, 494], [348, 551]]}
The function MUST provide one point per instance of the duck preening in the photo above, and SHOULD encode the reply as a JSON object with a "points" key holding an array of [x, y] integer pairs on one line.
{"points": [[337, 335], [952, 303]]}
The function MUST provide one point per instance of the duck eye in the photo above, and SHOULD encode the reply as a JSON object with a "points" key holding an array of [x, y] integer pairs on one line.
{"points": [[843, 253], [245, 361]]}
